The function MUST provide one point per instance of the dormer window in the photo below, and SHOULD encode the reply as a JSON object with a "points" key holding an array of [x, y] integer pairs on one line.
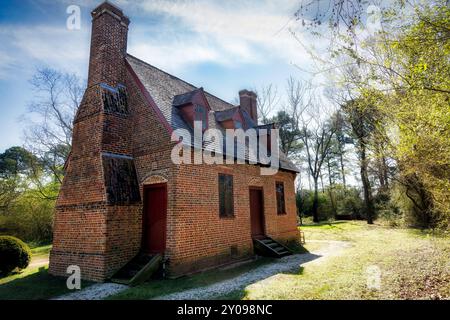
{"points": [[230, 118], [193, 106], [200, 115]]}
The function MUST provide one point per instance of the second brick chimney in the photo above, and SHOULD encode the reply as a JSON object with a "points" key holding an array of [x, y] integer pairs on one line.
{"points": [[108, 45], [248, 103]]}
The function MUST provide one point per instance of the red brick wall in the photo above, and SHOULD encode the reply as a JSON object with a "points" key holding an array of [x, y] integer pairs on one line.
{"points": [[123, 236], [78, 239], [197, 237], [201, 237]]}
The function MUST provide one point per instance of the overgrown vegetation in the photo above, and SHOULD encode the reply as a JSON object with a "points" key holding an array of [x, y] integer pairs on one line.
{"points": [[391, 87], [26, 210], [30, 176]]}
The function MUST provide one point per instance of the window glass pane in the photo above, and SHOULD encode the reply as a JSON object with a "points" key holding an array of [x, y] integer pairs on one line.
{"points": [[280, 198], [226, 207]]}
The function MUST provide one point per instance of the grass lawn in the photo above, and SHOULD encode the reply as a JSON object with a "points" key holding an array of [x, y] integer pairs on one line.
{"points": [[412, 265], [33, 283]]}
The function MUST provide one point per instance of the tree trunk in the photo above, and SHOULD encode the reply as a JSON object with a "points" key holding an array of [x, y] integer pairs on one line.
{"points": [[330, 189], [381, 164], [330, 180], [309, 180], [321, 182], [366, 185], [333, 201], [341, 158], [385, 172], [315, 207]]}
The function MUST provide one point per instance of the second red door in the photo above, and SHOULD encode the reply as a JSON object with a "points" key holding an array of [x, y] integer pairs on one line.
{"points": [[154, 219], [257, 212]]}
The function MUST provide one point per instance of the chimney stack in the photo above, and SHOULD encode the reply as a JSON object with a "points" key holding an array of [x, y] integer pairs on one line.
{"points": [[248, 103], [108, 45]]}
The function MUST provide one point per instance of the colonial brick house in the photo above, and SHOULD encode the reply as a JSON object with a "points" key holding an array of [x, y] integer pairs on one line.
{"points": [[123, 195]]}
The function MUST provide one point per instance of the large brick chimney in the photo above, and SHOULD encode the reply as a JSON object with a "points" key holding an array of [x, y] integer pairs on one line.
{"points": [[108, 45], [248, 103], [96, 223]]}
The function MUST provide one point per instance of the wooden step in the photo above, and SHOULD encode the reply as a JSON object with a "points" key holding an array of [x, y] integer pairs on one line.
{"points": [[138, 270], [269, 247]]}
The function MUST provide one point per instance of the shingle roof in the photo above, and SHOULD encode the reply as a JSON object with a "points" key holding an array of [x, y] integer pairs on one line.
{"points": [[226, 114], [182, 99], [167, 90]]}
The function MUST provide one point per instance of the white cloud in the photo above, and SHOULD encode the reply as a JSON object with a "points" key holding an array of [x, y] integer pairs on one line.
{"points": [[232, 32], [25, 47], [178, 34], [7, 64]]}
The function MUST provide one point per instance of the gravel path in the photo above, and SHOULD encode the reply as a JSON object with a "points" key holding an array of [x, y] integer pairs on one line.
{"points": [[286, 264], [95, 292], [263, 273]]}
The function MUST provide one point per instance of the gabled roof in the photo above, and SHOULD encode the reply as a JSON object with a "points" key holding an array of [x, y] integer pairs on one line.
{"points": [[188, 97], [226, 114], [167, 90], [184, 98]]}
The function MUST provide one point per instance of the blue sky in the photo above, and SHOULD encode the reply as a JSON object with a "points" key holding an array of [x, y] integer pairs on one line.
{"points": [[223, 46]]}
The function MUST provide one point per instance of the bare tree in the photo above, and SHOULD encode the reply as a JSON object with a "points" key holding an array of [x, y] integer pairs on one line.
{"points": [[298, 99], [362, 117], [267, 102], [317, 136], [49, 123]]}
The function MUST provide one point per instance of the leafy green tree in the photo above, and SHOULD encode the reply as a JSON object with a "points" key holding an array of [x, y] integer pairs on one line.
{"points": [[16, 164], [289, 133], [15, 161], [407, 63]]}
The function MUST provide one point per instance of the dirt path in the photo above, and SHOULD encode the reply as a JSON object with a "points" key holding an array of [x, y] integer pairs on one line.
{"points": [[262, 274], [38, 262]]}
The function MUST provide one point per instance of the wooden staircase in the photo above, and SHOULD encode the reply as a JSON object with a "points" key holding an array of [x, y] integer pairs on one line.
{"points": [[270, 248], [138, 270]]}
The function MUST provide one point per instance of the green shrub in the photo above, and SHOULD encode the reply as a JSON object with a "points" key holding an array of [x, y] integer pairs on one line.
{"points": [[14, 253], [305, 200], [349, 202]]}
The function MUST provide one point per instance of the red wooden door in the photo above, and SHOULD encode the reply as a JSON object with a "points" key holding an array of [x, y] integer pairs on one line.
{"points": [[257, 212], [154, 219]]}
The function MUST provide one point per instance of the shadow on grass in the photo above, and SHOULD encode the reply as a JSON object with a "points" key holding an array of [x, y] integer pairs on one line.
{"points": [[38, 285]]}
